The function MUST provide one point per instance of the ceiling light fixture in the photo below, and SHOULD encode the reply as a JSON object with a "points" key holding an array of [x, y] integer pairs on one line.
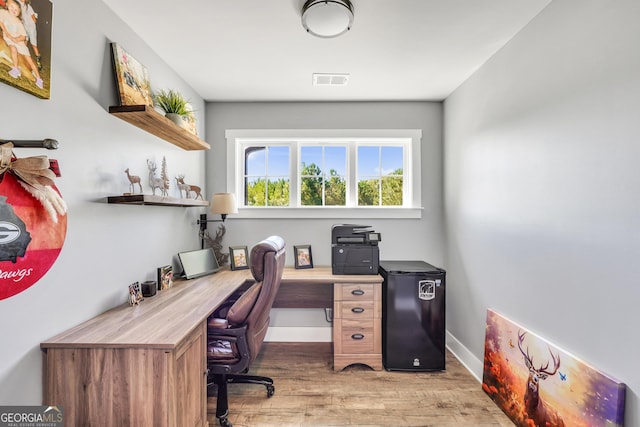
{"points": [[327, 18]]}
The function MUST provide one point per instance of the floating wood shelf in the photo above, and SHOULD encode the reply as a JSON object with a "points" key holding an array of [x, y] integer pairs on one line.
{"points": [[148, 119], [146, 199]]}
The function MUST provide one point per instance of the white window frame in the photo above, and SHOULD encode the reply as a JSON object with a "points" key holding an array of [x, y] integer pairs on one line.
{"points": [[238, 139]]}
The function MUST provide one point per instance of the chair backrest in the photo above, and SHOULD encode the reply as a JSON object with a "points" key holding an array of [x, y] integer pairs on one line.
{"points": [[267, 264]]}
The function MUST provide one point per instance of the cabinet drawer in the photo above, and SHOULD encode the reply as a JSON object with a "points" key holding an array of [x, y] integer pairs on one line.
{"points": [[354, 310], [354, 292], [357, 337]]}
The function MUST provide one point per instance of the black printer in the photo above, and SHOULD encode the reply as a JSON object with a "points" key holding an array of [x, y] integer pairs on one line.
{"points": [[354, 249]]}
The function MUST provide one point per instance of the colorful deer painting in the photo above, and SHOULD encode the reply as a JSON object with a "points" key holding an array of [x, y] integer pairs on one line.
{"points": [[540, 413], [538, 385]]}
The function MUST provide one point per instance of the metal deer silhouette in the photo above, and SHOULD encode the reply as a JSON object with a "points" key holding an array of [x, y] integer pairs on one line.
{"points": [[536, 409]]}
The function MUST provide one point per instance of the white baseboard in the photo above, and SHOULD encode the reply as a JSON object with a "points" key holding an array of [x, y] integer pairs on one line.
{"points": [[298, 334], [466, 357]]}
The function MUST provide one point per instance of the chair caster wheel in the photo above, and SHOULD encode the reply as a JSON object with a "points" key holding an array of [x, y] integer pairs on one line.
{"points": [[271, 390], [224, 422]]}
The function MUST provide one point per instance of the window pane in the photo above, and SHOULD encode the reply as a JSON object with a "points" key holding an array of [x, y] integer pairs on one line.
{"points": [[311, 191], [255, 192], [255, 163], [278, 161], [392, 191], [391, 160], [267, 177], [335, 160], [336, 191], [311, 155], [368, 161], [322, 175], [368, 192], [278, 192]]}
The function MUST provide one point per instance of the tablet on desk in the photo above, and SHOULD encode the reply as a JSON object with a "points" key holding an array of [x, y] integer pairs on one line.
{"points": [[198, 263]]}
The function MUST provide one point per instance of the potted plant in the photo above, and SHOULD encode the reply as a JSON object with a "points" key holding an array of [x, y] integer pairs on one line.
{"points": [[174, 106]]}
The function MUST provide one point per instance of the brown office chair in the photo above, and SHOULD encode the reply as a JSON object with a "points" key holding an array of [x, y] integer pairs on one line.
{"points": [[235, 334]]}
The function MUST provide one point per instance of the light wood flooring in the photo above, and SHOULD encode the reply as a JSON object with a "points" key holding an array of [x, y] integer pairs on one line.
{"points": [[310, 393]]}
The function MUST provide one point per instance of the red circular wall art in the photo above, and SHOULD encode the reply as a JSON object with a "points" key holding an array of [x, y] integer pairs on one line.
{"points": [[30, 239]]}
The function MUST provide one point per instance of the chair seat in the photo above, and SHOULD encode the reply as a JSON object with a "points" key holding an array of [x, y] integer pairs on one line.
{"points": [[220, 351]]}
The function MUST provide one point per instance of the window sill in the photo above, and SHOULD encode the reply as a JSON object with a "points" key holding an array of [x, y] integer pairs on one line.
{"points": [[319, 213]]}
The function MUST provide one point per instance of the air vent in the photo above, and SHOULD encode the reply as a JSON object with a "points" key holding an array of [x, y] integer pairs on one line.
{"points": [[324, 79]]}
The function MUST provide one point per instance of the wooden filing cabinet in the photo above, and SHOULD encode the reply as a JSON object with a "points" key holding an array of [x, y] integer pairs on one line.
{"points": [[357, 325]]}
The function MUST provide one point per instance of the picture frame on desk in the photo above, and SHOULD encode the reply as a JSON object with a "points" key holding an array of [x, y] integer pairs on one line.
{"points": [[302, 256], [165, 277], [135, 294], [239, 257]]}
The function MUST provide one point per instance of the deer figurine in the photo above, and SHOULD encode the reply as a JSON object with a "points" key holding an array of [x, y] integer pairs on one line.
{"points": [[188, 188], [133, 179], [155, 182], [536, 409], [182, 186]]}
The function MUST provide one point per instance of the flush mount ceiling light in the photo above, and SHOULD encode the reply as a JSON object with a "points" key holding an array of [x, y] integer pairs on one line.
{"points": [[327, 18]]}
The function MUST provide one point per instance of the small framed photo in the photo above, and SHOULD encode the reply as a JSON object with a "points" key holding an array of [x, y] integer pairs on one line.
{"points": [[135, 294], [165, 277], [132, 78], [239, 257], [302, 255]]}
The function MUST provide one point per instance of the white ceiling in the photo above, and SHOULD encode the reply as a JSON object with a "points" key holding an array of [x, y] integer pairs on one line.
{"points": [[257, 50]]}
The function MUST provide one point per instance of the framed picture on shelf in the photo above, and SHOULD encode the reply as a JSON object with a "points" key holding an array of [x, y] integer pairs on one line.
{"points": [[239, 257], [165, 277], [132, 79], [302, 256]]}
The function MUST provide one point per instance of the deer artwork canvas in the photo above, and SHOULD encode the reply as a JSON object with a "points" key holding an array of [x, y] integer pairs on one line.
{"points": [[537, 385]]}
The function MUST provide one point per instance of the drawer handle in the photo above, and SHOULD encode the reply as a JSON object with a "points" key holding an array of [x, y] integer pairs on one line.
{"points": [[357, 310], [357, 336], [357, 292]]}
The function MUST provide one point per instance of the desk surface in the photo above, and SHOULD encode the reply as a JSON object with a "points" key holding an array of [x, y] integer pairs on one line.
{"points": [[163, 320]]}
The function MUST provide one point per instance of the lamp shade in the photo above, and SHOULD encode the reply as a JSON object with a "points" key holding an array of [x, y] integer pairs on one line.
{"points": [[327, 18], [224, 203]]}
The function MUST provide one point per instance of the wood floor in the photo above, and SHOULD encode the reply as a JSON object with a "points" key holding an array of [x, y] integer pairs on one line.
{"points": [[310, 393]]}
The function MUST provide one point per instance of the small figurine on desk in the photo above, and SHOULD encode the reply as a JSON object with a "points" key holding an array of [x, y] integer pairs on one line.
{"points": [[188, 188], [133, 179]]}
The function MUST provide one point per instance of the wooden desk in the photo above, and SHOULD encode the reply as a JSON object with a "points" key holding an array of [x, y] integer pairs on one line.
{"points": [[146, 365]]}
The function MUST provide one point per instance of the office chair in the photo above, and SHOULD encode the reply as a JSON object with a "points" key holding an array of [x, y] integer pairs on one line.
{"points": [[235, 333]]}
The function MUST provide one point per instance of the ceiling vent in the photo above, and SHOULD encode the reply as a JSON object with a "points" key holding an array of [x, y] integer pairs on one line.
{"points": [[323, 79]]}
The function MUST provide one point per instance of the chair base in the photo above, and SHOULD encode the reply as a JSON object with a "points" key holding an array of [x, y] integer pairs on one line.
{"points": [[221, 381]]}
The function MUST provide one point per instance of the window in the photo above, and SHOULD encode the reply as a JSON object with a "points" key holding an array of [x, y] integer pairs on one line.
{"points": [[325, 174]]}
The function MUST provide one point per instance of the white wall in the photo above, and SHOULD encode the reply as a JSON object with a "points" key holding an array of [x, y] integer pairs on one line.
{"points": [[401, 239], [107, 246], [541, 188]]}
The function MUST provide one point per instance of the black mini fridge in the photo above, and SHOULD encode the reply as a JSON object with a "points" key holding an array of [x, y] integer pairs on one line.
{"points": [[413, 316]]}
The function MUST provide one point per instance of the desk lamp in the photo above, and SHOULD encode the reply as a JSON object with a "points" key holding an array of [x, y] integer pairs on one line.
{"points": [[223, 204]]}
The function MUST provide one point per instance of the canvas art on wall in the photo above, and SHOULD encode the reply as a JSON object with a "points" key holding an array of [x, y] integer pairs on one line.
{"points": [[132, 78], [25, 45], [537, 384]]}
